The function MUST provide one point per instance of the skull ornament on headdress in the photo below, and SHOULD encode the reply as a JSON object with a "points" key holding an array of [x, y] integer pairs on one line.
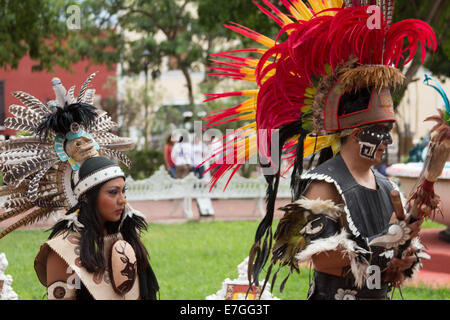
{"points": [[38, 168]]}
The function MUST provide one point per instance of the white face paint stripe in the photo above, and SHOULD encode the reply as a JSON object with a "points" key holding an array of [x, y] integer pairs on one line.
{"points": [[368, 150]]}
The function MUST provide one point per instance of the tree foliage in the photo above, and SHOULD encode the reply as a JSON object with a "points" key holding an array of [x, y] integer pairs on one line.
{"points": [[183, 32], [36, 28], [437, 15], [213, 14]]}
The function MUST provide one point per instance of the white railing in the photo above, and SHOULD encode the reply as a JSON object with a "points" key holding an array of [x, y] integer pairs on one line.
{"points": [[160, 186]]}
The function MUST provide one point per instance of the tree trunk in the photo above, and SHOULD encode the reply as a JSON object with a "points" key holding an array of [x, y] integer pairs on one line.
{"points": [[146, 120], [187, 76]]}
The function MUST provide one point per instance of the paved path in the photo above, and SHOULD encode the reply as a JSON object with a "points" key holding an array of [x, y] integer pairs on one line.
{"points": [[435, 272]]}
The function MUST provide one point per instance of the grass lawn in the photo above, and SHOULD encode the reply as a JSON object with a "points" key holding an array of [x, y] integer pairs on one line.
{"points": [[190, 260]]}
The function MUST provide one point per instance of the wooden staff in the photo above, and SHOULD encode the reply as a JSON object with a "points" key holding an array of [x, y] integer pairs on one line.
{"points": [[398, 206]]}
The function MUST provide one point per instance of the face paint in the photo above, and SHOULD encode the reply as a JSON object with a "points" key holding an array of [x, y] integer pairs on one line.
{"points": [[370, 139]]}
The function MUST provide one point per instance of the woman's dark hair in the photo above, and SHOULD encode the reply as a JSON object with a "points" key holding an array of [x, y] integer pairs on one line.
{"points": [[91, 246], [169, 140]]}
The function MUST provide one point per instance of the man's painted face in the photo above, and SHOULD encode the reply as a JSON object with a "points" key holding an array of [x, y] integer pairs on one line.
{"points": [[370, 139]]}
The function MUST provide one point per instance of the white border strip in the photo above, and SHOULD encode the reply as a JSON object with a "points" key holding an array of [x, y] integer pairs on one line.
{"points": [[96, 178], [328, 179]]}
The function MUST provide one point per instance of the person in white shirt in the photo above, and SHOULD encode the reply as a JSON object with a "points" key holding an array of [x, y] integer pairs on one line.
{"points": [[199, 153], [182, 156]]}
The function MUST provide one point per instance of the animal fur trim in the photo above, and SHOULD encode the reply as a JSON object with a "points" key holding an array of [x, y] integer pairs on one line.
{"points": [[421, 254], [377, 76], [317, 206], [352, 76], [322, 177], [348, 247]]}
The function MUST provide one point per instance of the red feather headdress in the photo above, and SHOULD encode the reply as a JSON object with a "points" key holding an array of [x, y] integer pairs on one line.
{"points": [[327, 42], [325, 36]]}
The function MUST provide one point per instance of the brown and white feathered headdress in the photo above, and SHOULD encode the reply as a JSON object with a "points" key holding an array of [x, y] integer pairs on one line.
{"points": [[37, 168]]}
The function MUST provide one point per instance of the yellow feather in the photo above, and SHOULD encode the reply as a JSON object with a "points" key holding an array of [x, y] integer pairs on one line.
{"points": [[268, 75], [246, 131], [316, 5], [306, 108], [311, 90], [336, 3], [250, 116], [303, 12], [313, 146], [284, 18], [266, 41], [250, 126], [248, 93], [247, 105]]}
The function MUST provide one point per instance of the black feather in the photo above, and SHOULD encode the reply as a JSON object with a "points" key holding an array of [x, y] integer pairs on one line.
{"points": [[60, 121], [265, 227]]}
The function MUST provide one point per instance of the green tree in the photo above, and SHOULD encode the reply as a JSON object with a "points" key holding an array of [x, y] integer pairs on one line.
{"points": [[437, 14], [38, 28], [213, 15], [163, 29]]}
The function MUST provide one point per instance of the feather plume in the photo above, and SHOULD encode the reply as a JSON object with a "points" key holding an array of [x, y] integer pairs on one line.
{"points": [[54, 201], [7, 190], [118, 144], [70, 97], [33, 188], [116, 155], [103, 123], [23, 112], [59, 122], [22, 142], [15, 202], [103, 137], [30, 218], [32, 103], [89, 97], [20, 154], [60, 92], [25, 169], [84, 87], [16, 211], [20, 124]]}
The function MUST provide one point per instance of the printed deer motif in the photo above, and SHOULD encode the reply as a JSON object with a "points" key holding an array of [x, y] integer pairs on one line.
{"points": [[129, 271]]}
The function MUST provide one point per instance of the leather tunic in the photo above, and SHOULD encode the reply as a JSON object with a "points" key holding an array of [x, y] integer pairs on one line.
{"points": [[368, 211]]}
